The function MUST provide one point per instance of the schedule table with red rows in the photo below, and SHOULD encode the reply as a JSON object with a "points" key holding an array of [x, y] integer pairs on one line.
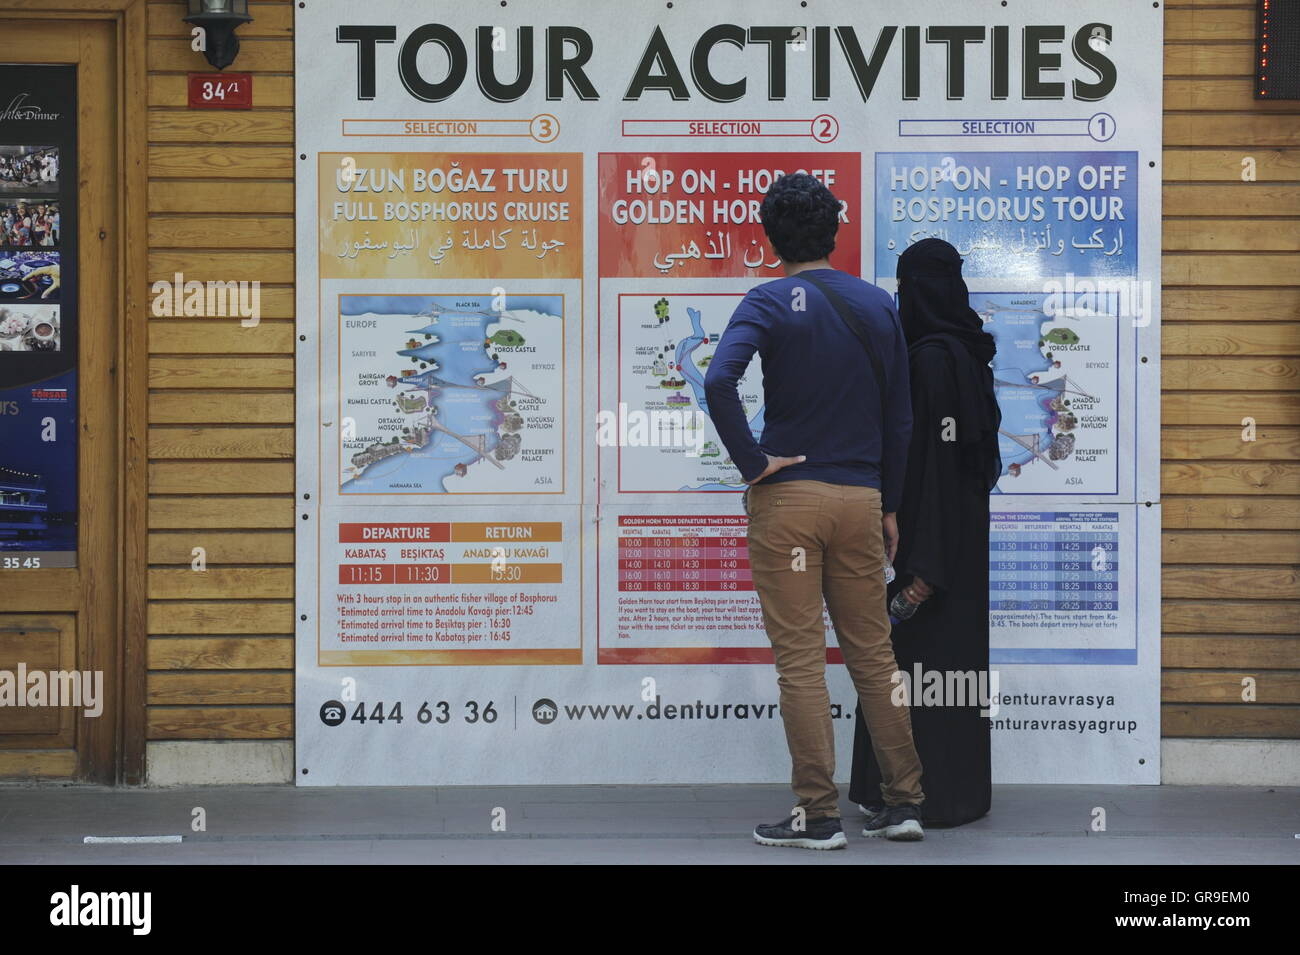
{"points": [[683, 554]]}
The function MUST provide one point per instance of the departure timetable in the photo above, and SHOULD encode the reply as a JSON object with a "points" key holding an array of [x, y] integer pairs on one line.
{"points": [[683, 553], [1054, 560]]}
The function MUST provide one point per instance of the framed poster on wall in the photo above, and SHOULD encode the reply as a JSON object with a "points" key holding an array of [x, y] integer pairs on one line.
{"points": [[521, 231], [38, 316]]}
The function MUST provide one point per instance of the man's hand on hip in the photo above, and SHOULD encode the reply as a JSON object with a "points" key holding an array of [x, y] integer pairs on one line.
{"points": [[776, 464]]}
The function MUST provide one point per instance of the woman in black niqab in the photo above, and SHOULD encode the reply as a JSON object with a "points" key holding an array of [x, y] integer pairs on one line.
{"points": [[934, 306], [943, 552]]}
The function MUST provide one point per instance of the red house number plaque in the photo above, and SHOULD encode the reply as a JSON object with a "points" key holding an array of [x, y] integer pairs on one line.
{"points": [[221, 90]]}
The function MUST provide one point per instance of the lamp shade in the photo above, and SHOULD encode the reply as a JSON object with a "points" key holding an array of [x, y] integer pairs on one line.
{"points": [[224, 9], [218, 20]]}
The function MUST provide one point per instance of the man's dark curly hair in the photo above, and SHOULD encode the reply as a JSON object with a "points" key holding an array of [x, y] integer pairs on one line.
{"points": [[800, 217]]}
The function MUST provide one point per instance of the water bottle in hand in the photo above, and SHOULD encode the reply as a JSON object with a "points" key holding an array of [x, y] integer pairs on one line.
{"points": [[900, 608]]}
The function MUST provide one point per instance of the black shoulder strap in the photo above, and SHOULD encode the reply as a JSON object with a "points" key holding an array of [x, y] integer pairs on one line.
{"points": [[855, 325]]}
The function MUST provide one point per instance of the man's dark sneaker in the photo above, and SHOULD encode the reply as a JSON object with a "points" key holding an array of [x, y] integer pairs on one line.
{"points": [[825, 833], [899, 823]]}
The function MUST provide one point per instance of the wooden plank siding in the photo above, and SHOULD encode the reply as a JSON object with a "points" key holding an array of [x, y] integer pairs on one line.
{"points": [[1231, 352], [221, 407]]}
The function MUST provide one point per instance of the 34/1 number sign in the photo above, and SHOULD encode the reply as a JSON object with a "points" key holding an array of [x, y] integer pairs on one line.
{"points": [[221, 91]]}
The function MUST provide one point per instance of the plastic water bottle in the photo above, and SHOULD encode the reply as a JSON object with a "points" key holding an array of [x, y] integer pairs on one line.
{"points": [[900, 608], [890, 574]]}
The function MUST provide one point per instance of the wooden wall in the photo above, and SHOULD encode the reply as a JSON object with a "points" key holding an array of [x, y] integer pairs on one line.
{"points": [[1231, 314], [221, 440], [221, 397]]}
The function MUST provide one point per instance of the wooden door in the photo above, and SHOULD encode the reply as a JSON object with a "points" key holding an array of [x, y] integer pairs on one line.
{"points": [[68, 618]]}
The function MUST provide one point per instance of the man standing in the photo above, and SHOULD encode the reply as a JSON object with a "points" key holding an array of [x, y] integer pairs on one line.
{"points": [[823, 482]]}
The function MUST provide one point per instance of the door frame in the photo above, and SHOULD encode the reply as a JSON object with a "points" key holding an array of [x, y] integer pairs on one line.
{"points": [[112, 750]]}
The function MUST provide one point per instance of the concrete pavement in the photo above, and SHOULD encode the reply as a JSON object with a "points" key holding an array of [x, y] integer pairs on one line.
{"points": [[627, 824]]}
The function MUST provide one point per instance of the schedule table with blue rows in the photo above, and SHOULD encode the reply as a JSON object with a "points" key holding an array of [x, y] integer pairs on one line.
{"points": [[1054, 560]]}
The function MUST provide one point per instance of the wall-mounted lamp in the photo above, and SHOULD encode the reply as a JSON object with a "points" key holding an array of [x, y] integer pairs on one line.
{"points": [[219, 18]]}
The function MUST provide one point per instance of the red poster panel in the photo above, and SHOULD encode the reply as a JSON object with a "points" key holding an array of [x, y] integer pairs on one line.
{"points": [[696, 215]]}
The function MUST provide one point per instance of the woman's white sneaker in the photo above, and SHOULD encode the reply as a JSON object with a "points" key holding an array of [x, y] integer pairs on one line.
{"points": [[897, 823]]}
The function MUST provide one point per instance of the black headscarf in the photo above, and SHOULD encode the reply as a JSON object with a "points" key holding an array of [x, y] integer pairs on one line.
{"points": [[934, 307]]}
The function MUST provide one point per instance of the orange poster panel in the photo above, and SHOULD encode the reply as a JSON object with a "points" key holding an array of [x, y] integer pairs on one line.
{"points": [[459, 215]]}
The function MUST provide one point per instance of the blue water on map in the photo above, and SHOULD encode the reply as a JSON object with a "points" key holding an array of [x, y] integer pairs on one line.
{"points": [[1025, 408], [691, 373], [457, 356]]}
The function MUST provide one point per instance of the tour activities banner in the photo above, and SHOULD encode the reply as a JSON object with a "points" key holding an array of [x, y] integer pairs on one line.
{"points": [[521, 231]]}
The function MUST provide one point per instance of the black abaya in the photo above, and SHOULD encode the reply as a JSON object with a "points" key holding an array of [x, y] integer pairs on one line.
{"points": [[943, 526], [943, 538]]}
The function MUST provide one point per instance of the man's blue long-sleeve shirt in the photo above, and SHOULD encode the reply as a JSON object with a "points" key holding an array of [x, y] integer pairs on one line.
{"points": [[820, 393]]}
